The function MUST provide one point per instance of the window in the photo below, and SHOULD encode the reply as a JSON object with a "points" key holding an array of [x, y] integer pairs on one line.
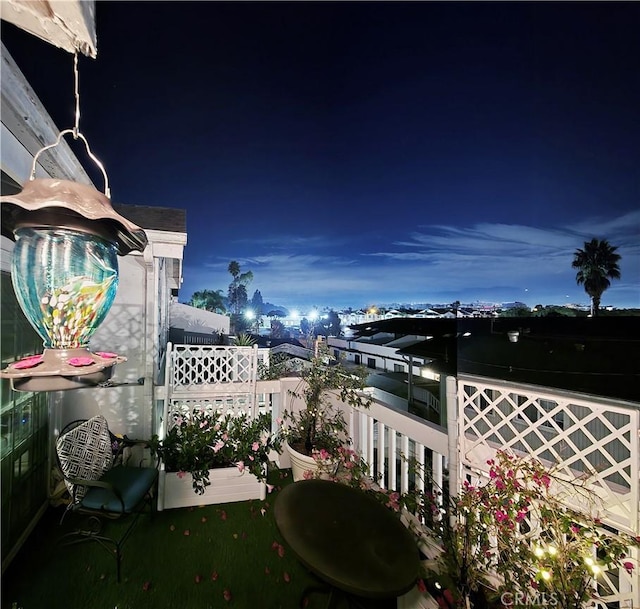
{"points": [[23, 427]]}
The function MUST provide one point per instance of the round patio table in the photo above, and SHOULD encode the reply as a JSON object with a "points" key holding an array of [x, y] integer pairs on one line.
{"points": [[347, 538]]}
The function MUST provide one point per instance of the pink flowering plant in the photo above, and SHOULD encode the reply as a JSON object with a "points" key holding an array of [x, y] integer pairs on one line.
{"points": [[343, 465], [524, 526], [201, 439], [347, 466]]}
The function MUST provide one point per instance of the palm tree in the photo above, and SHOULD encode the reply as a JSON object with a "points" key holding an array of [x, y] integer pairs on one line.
{"points": [[596, 264], [237, 294], [209, 300]]}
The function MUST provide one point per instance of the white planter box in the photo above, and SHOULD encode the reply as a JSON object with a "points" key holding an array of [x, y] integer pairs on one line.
{"points": [[227, 485]]}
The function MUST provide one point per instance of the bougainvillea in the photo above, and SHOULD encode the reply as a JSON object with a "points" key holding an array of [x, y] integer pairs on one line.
{"points": [[539, 534]]}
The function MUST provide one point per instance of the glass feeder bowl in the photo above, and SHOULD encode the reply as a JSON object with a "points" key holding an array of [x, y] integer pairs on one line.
{"points": [[65, 276], [65, 282]]}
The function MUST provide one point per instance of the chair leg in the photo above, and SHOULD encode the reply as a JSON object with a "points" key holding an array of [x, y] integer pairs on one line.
{"points": [[92, 533], [93, 528]]}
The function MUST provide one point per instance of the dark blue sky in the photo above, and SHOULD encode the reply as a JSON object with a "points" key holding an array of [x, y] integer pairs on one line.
{"points": [[364, 153]]}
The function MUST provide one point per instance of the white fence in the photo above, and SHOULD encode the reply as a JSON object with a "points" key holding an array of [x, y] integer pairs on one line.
{"points": [[597, 440], [199, 367], [583, 435]]}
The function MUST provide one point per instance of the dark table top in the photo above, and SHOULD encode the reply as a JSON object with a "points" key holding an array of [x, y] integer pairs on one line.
{"points": [[347, 538]]}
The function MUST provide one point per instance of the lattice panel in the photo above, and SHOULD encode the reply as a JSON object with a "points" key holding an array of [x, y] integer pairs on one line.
{"points": [[583, 437], [229, 404], [193, 365]]}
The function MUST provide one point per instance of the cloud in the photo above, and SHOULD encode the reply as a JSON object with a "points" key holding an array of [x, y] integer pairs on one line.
{"points": [[291, 242], [493, 262], [614, 230]]}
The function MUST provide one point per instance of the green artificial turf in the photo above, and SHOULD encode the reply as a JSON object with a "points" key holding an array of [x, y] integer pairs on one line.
{"points": [[181, 559]]}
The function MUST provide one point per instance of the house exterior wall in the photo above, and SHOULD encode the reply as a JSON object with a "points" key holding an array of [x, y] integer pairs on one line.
{"points": [[137, 327], [192, 319], [124, 332], [384, 357]]}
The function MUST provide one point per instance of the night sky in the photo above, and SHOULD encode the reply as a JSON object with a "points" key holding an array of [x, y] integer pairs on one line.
{"points": [[352, 154]]}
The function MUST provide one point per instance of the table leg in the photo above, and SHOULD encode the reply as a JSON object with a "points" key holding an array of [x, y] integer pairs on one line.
{"points": [[334, 600]]}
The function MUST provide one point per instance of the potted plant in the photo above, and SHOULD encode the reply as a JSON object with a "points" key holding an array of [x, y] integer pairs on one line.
{"points": [[517, 540], [318, 431], [204, 445]]}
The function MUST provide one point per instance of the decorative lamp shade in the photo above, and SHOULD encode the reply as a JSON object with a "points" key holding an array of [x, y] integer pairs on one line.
{"points": [[65, 276]]}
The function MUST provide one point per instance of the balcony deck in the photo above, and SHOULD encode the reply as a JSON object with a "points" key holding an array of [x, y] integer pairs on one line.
{"points": [[185, 557], [161, 563]]}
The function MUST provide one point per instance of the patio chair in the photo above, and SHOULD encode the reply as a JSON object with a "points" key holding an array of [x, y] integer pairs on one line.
{"points": [[104, 481]]}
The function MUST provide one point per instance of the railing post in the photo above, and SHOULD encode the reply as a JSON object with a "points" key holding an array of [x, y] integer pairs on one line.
{"points": [[368, 425], [276, 413], [381, 454], [436, 465], [392, 459], [360, 438], [404, 477], [420, 486], [254, 381], [452, 433]]}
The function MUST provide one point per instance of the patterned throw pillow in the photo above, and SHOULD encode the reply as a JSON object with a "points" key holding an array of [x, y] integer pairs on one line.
{"points": [[85, 452]]}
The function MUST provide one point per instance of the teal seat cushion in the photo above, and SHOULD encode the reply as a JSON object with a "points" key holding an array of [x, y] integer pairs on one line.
{"points": [[132, 483]]}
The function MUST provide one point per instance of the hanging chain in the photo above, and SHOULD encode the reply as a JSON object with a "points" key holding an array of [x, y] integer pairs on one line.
{"points": [[76, 127], [75, 132]]}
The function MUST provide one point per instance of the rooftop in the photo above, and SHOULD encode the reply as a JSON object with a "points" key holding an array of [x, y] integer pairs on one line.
{"points": [[597, 356], [154, 218]]}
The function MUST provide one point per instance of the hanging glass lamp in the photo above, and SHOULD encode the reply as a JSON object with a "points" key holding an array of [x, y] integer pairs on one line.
{"points": [[65, 271], [65, 277]]}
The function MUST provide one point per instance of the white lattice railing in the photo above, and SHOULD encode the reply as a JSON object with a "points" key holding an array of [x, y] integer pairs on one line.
{"points": [[213, 368], [580, 436], [596, 440], [221, 378]]}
